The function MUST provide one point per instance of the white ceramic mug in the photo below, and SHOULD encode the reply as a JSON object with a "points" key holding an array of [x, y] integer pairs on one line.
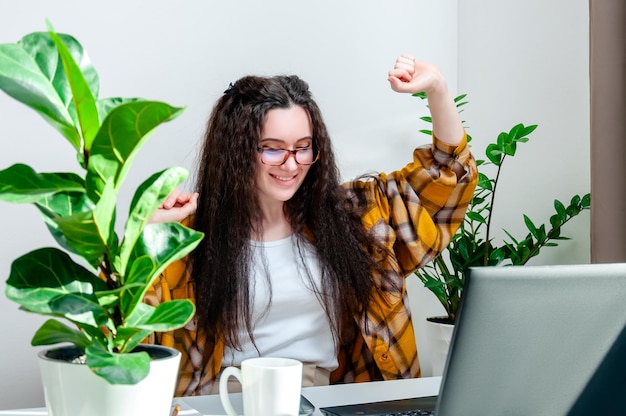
{"points": [[270, 386]]}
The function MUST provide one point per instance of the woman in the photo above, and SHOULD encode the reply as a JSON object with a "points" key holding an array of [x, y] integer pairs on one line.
{"points": [[294, 264]]}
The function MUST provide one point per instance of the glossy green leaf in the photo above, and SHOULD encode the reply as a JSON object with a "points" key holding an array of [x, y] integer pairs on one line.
{"points": [[474, 216], [484, 181], [80, 308], [530, 225], [22, 185], [82, 97], [118, 368], [494, 154], [128, 339], [89, 233], [164, 243], [586, 201], [166, 317], [510, 149], [140, 271], [54, 332], [121, 135], [527, 130], [61, 205], [39, 277], [560, 209], [106, 105], [32, 73], [146, 200]]}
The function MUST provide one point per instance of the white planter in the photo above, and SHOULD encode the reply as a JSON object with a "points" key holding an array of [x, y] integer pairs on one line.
{"points": [[73, 390], [439, 336]]}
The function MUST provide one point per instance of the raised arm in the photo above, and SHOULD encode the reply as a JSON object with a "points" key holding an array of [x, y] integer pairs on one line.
{"points": [[411, 76]]}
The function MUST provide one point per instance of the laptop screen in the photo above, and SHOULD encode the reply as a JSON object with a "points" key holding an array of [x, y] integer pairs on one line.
{"points": [[529, 338], [527, 341]]}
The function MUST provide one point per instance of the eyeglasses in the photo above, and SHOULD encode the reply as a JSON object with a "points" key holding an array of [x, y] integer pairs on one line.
{"points": [[276, 156]]}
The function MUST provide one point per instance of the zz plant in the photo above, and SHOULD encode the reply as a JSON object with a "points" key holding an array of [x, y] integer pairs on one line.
{"points": [[473, 245], [102, 296]]}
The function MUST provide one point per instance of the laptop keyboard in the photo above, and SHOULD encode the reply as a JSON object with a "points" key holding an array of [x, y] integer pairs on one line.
{"points": [[422, 406]]}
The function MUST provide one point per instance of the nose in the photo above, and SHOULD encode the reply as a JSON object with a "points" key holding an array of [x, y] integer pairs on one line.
{"points": [[290, 163]]}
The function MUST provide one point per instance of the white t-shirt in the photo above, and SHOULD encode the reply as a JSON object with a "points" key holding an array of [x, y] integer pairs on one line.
{"points": [[295, 324]]}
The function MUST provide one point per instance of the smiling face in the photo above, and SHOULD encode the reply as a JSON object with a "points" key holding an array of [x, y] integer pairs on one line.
{"points": [[284, 128]]}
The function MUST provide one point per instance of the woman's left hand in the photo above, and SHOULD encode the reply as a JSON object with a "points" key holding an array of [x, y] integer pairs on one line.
{"points": [[411, 76]]}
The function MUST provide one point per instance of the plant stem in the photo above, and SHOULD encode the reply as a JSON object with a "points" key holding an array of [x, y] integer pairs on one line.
{"points": [[493, 197], [446, 272]]}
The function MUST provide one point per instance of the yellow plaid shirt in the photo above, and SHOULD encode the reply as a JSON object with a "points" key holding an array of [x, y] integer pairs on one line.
{"points": [[414, 212]]}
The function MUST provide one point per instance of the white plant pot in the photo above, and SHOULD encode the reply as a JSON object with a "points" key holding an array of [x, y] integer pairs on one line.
{"points": [[73, 390], [439, 336]]}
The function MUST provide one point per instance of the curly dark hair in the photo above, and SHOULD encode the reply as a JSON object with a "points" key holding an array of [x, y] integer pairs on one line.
{"points": [[228, 211]]}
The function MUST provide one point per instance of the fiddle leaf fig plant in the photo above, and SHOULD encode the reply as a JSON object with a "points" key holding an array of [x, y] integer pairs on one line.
{"points": [[473, 244], [102, 296]]}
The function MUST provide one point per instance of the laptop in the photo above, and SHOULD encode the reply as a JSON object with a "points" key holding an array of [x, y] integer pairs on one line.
{"points": [[528, 340]]}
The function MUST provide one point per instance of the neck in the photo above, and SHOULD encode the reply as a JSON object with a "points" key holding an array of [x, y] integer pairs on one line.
{"points": [[274, 226]]}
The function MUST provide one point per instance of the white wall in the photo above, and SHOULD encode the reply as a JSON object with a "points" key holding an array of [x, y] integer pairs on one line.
{"points": [[186, 53], [520, 61], [527, 62]]}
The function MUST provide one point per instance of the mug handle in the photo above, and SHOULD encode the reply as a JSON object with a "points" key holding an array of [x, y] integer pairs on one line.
{"points": [[224, 398]]}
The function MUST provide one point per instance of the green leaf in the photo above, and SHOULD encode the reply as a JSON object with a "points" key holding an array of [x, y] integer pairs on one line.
{"points": [[31, 73], [484, 181], [494, 154], [135, 283], [474, 216], [80, 308], [164, 243], [128, 339], [54, 332], [91, 233], [128, 368], [121, 135], [560, 209], [167, 316], [586, 201], [459, 97], [510, 149], [146, 200], [41, 276], [527, 130], [83, 98], [62, 204], [106, 105], [20, 184]]}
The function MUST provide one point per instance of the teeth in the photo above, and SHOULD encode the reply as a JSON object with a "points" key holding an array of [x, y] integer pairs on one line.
{"points": [[283, 178]]}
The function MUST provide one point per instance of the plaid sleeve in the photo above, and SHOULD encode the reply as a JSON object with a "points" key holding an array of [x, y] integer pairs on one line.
{"points": [[416, 210]]}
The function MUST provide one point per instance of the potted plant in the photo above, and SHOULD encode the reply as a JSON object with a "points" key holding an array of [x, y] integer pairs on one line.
{"points": [[96, 280], [473, 245]]}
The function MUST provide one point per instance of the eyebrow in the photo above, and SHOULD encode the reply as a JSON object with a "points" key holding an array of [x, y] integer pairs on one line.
{"points": [[271, 139]]}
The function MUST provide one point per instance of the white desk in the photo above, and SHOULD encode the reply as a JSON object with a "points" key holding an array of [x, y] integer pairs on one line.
{"points": [[319, 396]]}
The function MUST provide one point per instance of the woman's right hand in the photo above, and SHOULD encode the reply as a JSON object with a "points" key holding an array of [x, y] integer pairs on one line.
{"points": [[176, 207]]}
